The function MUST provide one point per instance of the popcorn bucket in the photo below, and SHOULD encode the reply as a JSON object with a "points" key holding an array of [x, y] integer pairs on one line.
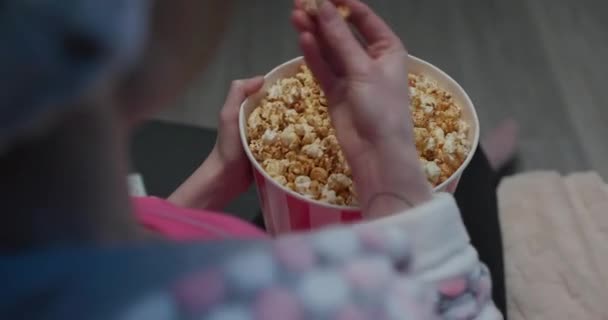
{"points": [[287, 211]]}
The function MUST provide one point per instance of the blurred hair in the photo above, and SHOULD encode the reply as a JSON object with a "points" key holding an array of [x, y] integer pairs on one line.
{"points": [[56, 53], [61, 54], [183, 36]]}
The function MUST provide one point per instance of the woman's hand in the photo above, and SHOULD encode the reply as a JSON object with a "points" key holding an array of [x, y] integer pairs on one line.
{"points": [[226, 173], [367, 89], [228, 148]]}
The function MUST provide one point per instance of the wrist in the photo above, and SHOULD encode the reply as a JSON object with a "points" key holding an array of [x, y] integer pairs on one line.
{"points": [[206, 188], [389, 179]]}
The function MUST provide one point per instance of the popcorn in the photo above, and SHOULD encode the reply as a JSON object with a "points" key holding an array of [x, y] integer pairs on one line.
{"points": [[303, 184], [312, 6], [269, 137], [289, 138], [339, 182], [275, 168], [281, 180], [440, 132], [344, 11], [432, 170], [313, 151], [291, 135], [319, 174], [328, 195]]}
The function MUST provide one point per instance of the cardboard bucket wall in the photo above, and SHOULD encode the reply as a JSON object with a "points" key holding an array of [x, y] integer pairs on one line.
{"points": [[286, 211]]}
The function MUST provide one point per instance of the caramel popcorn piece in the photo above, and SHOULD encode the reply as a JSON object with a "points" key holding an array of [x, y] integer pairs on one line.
{"points": [[312, 7], [319, 174], [432, 170], [440, 132], [339, 182], [281, 180], [344, 11], [303, 184], [329, 196], [313, 151]]}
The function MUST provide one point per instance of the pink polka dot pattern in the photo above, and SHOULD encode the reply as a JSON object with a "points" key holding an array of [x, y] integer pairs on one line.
{"points": [[336, 245], [200, 291], [453, 288], [369, 275], [403, 302], [483, 289], [466, 309], [396, 244], [464, 297], [323, 292], [351, 313], [295, 254], [311, 279], [371, 240], [251, 271], [277, 304]]}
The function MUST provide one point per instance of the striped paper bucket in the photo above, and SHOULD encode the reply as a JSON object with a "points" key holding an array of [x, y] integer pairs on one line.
{"points": [[286, 211]]}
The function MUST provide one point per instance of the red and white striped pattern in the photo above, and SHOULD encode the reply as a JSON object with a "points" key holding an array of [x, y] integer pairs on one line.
{"points": [[284, 212]]}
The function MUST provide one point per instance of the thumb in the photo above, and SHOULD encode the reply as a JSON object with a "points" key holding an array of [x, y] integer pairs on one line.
{"points": [[252, 85], [239, 91]]}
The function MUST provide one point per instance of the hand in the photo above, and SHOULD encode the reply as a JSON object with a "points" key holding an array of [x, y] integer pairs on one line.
{"points": [[366, 86], [228, 147], [226, 173]]}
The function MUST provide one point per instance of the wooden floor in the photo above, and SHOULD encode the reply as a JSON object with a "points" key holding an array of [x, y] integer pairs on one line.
{"points": [[542, 62]]}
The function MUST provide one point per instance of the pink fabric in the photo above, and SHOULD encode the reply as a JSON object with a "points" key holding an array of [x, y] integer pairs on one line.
{"points": [[181, 224]]}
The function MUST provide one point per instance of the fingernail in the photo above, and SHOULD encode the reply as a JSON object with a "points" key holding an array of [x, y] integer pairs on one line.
{"points": [[327, 11]]}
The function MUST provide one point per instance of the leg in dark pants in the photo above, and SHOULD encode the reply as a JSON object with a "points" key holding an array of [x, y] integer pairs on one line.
{"points": [[477, 199]]}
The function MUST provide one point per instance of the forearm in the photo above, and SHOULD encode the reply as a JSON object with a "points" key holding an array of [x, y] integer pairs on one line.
{"points": [[389, 180], [207, 188]]}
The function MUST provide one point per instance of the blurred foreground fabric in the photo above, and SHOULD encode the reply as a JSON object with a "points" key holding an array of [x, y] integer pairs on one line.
{"points": [[555, 231]]}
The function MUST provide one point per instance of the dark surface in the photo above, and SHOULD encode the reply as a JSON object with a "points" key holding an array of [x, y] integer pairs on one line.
{"points": [[478, 203], [166, 154]]}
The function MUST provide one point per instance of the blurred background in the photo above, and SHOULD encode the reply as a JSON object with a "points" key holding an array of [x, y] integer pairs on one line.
{"points": [[541, 62]]}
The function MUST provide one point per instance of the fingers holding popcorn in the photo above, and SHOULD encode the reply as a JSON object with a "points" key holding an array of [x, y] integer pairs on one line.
{"points": [[312, 7]]}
